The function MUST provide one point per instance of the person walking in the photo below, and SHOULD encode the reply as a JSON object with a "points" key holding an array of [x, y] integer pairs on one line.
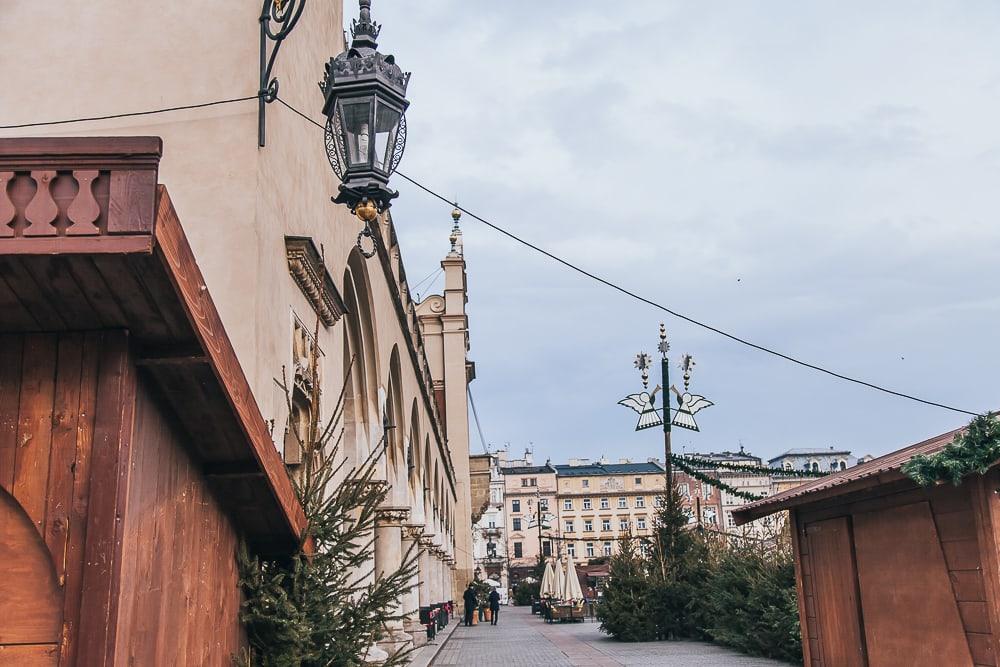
{"points": [[469, 597], [494, 606]]}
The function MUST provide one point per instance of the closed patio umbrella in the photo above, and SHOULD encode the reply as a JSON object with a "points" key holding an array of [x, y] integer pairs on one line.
{"points": [[547, 588], [559, 580], [571, 585]]}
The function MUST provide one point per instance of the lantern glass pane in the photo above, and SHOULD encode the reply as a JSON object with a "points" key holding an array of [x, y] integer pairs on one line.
{"points": [[356, 117], [386, 127]]}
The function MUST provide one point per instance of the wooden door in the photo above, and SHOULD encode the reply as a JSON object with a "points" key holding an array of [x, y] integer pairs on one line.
{"points": [[30, 597], [836, 593], [911, 617]]}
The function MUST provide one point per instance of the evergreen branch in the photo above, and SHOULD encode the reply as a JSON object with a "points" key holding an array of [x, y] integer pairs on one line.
{"points": [[973, 450]]}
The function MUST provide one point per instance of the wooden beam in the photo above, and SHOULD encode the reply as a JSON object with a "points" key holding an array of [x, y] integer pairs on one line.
{"points": [[123, 244]]}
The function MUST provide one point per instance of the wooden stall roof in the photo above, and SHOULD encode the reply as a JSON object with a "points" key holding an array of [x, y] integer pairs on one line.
{"points": [[876, 472], [88, 240]]}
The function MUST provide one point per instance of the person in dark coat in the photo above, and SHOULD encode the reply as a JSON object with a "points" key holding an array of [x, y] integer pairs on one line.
{"points": [[494, 606], [469, 597]]}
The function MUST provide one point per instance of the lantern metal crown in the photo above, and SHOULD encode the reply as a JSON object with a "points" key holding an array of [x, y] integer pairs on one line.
{"points": [[364, 104]]}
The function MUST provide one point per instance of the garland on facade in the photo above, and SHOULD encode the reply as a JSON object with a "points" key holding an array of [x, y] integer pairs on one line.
{"points": [[974, 450], [750, 468], [684, 464]]}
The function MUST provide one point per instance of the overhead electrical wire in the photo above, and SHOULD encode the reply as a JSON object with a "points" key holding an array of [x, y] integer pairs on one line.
{"points": [[475, 415], [200, 105], [546, 253]]}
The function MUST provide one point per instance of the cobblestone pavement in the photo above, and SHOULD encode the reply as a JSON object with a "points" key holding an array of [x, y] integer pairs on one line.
{"points": [[523, 640]]}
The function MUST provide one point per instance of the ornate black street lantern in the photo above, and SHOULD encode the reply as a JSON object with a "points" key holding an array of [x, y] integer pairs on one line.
{"points": [[364, 102]]}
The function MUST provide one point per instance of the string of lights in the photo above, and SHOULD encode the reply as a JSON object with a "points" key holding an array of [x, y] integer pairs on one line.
{"points": [[573, 267]]}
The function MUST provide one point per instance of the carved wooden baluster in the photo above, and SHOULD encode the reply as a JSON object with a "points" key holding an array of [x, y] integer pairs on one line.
{"points": [[7, 210], [42, 210], [84, 210]]}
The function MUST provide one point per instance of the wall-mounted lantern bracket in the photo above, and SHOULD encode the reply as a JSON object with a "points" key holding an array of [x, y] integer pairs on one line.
{"points": [[277, 20]]}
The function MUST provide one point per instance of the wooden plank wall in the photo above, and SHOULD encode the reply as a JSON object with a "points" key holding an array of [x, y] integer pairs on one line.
{"points": [[48, 389], [180, 588], [962, 531]]}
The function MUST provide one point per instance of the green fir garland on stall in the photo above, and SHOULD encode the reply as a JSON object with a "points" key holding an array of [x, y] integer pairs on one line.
{"points": [[973, 450], [682, 463]]}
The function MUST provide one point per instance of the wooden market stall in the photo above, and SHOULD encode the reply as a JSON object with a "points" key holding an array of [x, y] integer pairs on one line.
{"points": [[133, 457], [890, 573]]}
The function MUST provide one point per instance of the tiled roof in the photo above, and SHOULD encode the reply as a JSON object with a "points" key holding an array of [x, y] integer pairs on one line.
{"points": [[598, 469], [872, 473]]}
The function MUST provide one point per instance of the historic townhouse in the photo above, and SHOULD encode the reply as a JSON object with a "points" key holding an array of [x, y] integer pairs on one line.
{"points": [[173, 271], [530, 498], [599, 502]]}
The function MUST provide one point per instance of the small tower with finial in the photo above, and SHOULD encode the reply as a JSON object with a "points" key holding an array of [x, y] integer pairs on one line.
{"points": [[456, 232]]}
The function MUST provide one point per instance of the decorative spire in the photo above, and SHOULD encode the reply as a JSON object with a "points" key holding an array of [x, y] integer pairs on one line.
{"points": [[363, 30], [456, 232]]}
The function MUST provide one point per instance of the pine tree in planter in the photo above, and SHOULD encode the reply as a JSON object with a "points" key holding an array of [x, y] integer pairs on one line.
{"points": [[624, 612], [328, 608], [678, 570]]}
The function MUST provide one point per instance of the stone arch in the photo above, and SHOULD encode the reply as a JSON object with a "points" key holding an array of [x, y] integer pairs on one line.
{"points": [[362, 421], [412, 456], [396, 457]]}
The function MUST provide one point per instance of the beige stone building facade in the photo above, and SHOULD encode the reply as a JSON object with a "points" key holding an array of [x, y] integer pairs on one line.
{"points": [[598, 502], [529, 498], [268, 240]]}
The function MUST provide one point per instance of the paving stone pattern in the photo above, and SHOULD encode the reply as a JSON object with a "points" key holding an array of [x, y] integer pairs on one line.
{"points": [[523, 640]]}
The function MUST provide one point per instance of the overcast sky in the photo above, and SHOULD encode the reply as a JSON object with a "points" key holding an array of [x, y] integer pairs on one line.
{"points": [[821, 178]]}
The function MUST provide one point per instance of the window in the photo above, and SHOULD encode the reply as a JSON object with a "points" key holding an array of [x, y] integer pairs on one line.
{"points": [[491, 550], [638, 481], [833, 465], [543, 504], [588, 525], [623, 503], [843, 464], [787, 465], [569, 526], [590, 549], [568, 504], [640, 501], [623, 525], [571, 549], [730, 522], [658, 501], [546, 548], [518, 550], [708, 516], [706, 490], [515, 506], [585, 483], [605, 503], [586, 503], [814, 466], [640, 523], [493, 524], [517, 523], [607, 548], [684, 489], [529, 481], [605, 524]]}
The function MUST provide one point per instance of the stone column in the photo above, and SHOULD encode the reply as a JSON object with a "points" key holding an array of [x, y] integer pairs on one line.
{"points": [[411, 600], [426, 592], [388, 558]]}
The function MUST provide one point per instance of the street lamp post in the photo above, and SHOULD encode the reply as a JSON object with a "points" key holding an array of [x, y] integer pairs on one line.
{"points": [[644, 403]]}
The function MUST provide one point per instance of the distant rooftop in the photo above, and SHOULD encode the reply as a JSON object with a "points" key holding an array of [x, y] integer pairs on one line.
{"points": [[598, 469], [811, 451], [528, 470]]}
